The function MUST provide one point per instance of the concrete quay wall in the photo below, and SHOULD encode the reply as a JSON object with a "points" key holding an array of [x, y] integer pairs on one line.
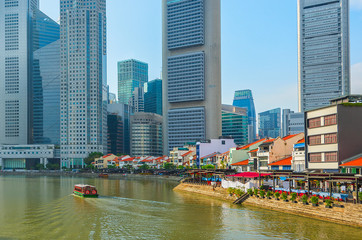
{"points": [[351, 214]]}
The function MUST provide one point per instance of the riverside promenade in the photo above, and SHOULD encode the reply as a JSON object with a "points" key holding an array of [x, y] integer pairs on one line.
{"points": [[350, 215]]}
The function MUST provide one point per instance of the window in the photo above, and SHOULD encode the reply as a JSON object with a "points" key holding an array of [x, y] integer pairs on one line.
{"points": [[223, 142], [330, 138], [314, 140], [330, 120], [331, 157], [314, 122], [315, 157]]}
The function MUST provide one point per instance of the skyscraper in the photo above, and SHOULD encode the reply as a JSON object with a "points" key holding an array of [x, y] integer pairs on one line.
{"points": [[191, 81], [153, 96], [292, 123], [131, 74], [235, 123], [270, 123], [29, 74], [83, 80], [323, 52], [244, 99], [137, 101]]}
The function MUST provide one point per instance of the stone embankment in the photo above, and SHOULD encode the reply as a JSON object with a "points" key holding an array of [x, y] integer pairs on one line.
{"points": [[351, 214]]}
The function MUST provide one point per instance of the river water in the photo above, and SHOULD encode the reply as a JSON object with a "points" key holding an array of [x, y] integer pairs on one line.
{"points": [[44, 208]]}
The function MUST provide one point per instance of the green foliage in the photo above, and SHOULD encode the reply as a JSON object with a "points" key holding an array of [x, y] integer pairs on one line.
{"points": [[314, 200], [250, 191], [111, 167], [180, 167], [54, 166], [88, 160], [231, 190], [256, 191], [39, 166], [304, 198], [352, 104], [328, 202], [239, 192], [168, 166], [360, 196], [276, 194], [144, 167], [262, 193], [284, 196], [269, 194], [293, 196], [208, 166]]}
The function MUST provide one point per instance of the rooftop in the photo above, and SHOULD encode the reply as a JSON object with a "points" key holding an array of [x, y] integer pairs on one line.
{"points": [[284, 162]]}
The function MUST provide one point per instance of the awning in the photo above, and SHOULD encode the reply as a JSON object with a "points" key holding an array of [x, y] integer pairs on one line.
{"points": [[249, 175]]}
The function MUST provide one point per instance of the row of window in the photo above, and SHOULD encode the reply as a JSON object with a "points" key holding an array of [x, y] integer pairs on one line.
{"points": [[317, 122], [328, 157], [328, 139]]}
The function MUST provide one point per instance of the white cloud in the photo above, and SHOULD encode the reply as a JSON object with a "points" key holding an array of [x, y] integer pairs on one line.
{"points": [[356, 78], [356, 4]]}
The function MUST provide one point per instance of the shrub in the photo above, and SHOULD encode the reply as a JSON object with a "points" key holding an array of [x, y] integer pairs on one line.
{"points": [[256, 191], [314, 200], [250, 192], [276, 194], [269, 194], [231, 190], [328, 202], [293, 196], [262, 193], [239, 192], [360, 196], [304, 198], [284, 196]]}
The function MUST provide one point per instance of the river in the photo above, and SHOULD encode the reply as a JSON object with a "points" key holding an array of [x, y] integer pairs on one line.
{"points": [[44, 208]]}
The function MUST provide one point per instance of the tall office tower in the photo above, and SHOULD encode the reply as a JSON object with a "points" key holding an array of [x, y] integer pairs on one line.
{"points": [[153, 96], [270, 123], [191, 62], [292, 123], [146, 134], [124, 111], [115, 133], [235, 123], [29, 74], [137, 101], [131, 74], [83, 80], [244, 99], [323, 52]]}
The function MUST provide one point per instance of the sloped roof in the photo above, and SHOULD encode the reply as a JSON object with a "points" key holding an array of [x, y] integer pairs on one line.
{"points": [[211, 155], [301, 140], [241, 163], [289, 136], [186, 153], [284, 162], [250, 144], [254, 150], [355, 161], [127, 159]]}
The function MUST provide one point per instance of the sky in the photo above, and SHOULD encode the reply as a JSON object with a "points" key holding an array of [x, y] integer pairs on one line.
{"points": [[258, 45]]}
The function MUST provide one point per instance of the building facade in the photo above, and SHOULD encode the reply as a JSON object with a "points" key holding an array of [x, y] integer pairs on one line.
{"points": [[137, 101], [115, 133], [270, 123], [153, 96], [191, 62], [323, 52], [244, 99], [83, 80], [131, 74], [292, 123], [146, 134], [207, 151], [235, 123]]}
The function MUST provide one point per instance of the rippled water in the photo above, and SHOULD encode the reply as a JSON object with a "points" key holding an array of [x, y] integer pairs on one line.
{"points": [[43, 208]]}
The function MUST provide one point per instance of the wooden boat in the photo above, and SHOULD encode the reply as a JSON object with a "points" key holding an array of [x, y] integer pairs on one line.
{"points": [[103, 175], [87, 191]]}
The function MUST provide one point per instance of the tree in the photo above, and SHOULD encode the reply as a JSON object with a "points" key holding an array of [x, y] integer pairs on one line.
{"points": [[209, 166], [168, 166], [111, 167], [180, 167], [88, 160], [144, 167]]}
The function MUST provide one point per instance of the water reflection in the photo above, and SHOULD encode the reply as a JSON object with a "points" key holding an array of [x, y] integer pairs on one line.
{"points": [[43, 208]]}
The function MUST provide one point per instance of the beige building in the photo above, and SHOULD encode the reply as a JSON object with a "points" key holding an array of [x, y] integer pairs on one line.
{"points": [[105, 161]]}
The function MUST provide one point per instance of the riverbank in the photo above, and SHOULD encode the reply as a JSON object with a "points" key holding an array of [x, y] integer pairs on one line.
{"points": [[350, 215], [87, 175]]}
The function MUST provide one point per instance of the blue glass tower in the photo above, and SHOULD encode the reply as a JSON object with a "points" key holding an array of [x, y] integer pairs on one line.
{"points": [[270, 123], [244, 99], [153, 97]]}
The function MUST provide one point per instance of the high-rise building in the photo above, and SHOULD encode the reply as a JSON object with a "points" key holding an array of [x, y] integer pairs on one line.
{"points": [[29, 74], [83, 80], [115, 133], [270, 123], [153, 96], [323, 52], [146, 134], [244, 99], [235, 123], [191, 81], [137, 101], [292, 123], [131, 74]]}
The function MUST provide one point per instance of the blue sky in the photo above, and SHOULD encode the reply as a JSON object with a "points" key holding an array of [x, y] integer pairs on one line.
{"points": [[259, 45]]}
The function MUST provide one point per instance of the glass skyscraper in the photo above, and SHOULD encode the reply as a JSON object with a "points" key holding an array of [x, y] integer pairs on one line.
{"points": [[131, 74], [83, 80], [244, 99], [323, 55], [235, 123], [153, 96], [191, 76], [270, 123]]}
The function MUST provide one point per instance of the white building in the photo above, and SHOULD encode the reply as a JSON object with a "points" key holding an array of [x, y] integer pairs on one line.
{"points": [[206, 149], [298, 161]]}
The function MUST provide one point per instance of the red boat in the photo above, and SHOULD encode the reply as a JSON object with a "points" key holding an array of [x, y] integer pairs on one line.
{"points": [[87, 191]]}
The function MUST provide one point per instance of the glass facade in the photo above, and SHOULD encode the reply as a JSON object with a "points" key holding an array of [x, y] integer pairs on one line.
{"points": [[131, 74], [115, 134], [244, 99], [235, 123], [324, 65], [270, 123], [153, 96]]}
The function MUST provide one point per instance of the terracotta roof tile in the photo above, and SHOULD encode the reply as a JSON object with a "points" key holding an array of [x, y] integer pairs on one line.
{"points": [[284, 162], [354, 163], [241, 163], [251, 144]]}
